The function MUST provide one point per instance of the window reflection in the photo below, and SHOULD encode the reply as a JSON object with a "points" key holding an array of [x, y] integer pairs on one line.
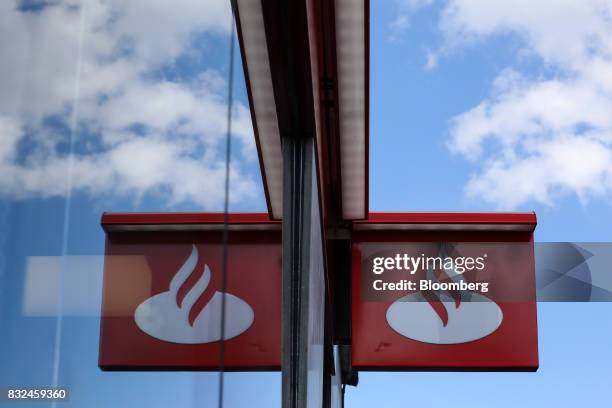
{"points": [[139, 90], [109, 106]]}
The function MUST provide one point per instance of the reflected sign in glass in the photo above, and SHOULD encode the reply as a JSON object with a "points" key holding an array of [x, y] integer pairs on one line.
{"points": [[163, 293]]}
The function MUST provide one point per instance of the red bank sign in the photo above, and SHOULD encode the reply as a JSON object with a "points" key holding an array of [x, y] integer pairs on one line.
{"points": [[429, 292], [162, 299], [454, 296]]}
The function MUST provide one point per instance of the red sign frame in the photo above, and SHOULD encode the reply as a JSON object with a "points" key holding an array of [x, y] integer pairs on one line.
{"points": [[144, 252], [513, 346]]}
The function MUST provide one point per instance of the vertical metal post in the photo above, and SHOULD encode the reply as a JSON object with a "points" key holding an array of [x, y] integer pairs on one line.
{"points": [[296, 197], [300, 321], [288, 47]]}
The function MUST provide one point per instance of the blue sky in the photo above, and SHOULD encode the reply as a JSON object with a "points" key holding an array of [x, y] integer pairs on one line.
{"points": [[412, 167], [415, 108], [475, 105]]}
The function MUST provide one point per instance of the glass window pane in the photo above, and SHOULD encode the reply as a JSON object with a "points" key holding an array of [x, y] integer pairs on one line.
{"points": [[110, 106]]}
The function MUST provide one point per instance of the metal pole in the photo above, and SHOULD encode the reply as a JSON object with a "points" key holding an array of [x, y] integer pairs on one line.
{"points": [[297, 202]]}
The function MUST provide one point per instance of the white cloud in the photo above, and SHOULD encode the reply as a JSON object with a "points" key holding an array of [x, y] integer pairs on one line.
{"points": [[563, 32], [552, 167], [415, 4], [431, 60], [398, 26], [10, 131], [536, 138], [138, 132], [401, 22]]}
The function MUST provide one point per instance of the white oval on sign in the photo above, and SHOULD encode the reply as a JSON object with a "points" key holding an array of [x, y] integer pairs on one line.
{"points": [[413, 317], [161, 317]]}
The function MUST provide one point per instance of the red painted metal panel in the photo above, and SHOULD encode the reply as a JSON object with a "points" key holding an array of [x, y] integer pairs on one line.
{"points": [[109, 219], [162, 290], [414, 330], [450, 218]]}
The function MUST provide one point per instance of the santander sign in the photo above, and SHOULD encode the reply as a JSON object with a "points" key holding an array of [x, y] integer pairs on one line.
{"points": [[168, 316], [163, 296], [444, 318], [414, 318], [452, 301], [447, 295]]}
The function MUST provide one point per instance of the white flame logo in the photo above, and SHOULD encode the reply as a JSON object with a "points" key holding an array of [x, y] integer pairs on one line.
{"points": [[460, 321], [165, 316]]}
